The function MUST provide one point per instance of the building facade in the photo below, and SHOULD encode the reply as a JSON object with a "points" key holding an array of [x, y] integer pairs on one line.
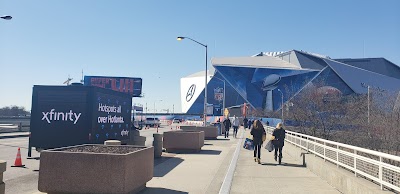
{"points": [[265, 80]]}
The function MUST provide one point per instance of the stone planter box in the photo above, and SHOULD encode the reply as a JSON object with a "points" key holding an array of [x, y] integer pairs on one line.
{"points": [[210, 132], [3, 165], [96, 169], [183, 141]]}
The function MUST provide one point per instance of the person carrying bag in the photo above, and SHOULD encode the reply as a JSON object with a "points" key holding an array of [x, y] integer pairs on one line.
{"points": [[248, 143], [259, 134], [278, 141]]}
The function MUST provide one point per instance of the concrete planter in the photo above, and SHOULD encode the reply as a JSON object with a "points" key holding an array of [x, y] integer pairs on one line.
{"points": [[183, 141], [210, 132], [3, 165], [126, 170]]}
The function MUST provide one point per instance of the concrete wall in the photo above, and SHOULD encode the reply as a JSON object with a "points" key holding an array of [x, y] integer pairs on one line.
{"points": [[343, 180], [3, 165]]}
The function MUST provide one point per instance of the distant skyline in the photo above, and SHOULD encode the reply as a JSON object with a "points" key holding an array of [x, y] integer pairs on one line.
{"points": [[47, 41]]}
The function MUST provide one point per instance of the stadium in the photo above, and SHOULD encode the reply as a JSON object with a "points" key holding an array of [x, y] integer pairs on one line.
{"points": [[264, 80]]}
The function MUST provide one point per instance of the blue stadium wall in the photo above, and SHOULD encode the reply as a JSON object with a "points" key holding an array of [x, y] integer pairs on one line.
{"points": [[251, 85]]}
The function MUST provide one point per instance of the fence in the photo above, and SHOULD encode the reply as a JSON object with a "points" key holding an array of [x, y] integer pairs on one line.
{"points": [[381, 168]]}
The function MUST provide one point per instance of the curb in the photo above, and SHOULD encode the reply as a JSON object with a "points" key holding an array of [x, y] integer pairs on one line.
{"points": [[14, 135]]}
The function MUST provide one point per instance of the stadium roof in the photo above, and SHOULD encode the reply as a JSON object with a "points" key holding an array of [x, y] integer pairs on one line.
{"points": [[257, 62]]}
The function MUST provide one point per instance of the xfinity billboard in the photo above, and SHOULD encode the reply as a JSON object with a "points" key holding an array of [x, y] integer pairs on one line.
{"points": [[72, 115]]}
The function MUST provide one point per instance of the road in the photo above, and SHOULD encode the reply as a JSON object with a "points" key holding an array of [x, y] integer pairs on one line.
{"points": [[25, 180]]}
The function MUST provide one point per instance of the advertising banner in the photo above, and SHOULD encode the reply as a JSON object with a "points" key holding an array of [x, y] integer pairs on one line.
{"points": [[130, 85], [111, 117], [73, 115]]}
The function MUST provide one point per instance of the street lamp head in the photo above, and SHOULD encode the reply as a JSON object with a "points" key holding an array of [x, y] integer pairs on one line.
{"points": [[279, 89], [6, 17], [180, 38]]}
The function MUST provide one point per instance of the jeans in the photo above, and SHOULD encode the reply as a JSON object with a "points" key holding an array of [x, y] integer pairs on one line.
{"points": [[257, 150], [226, 133], [278, 148], [235, 130]]}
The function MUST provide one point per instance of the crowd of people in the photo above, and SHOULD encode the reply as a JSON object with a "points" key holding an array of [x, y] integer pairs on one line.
{"points": [[258, 134]]}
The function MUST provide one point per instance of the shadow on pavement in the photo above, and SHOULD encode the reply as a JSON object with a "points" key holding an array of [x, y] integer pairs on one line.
{"points": [[292, 165], [166, 167], [283, 164], [210, 152], [208, 144], [160, 190], [268, 164], [220, 139], [205, 152]]}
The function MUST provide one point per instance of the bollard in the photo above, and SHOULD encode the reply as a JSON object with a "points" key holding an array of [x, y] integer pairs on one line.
{"points": [[3, 165], [157, 144], [112, 142], [20, 127], [139, 140]]}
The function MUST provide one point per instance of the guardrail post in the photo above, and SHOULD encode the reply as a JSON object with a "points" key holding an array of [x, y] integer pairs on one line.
{"points": [[315, 142], [20, 126], [355, 163], [307, 145], [337, 156], [324, 152], [380, 172]]}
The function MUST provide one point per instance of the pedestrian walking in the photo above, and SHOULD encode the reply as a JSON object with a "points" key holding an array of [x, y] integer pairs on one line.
{"points": [[219, 126], [227, 124], [245, 123], [235, 123], [278, 137], [258, 133]]}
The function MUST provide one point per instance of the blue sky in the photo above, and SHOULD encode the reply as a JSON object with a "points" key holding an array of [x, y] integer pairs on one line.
{"points": [[48, 40]]}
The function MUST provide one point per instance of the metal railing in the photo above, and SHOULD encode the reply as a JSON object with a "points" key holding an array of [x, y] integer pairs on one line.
{"points": [[381, 168]]}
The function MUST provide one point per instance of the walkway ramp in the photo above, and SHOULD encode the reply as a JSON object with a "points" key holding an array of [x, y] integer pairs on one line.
{"points": [[270, 177]]}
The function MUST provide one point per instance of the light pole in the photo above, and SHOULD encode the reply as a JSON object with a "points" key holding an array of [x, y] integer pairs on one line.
{"points": [[368, 101], [282, 103], [223, 104], [154, 114], [205, 90], [6, 17]]}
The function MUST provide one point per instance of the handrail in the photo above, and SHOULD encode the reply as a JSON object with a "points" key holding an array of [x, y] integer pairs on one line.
{"points": [[373, 152], [376, 169]]}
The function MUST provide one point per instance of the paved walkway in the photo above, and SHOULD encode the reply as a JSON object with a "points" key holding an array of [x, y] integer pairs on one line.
{"points": [[269, 177], [205, 172]]}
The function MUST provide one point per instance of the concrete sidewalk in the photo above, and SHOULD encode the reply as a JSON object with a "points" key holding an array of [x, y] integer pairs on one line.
{"points": [[205, 172], [201, 172], [14, 134], [270, 177]]}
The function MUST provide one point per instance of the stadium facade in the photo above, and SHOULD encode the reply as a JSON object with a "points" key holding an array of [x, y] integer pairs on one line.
{"points": [[261, 80]]}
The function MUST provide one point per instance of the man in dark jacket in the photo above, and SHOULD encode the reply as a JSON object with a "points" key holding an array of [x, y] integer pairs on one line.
{"points": [[245, 122], [227, 124]]}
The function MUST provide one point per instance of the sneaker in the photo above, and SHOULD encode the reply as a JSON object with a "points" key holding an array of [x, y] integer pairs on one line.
{"points": [[255, 159], [258, 160]]}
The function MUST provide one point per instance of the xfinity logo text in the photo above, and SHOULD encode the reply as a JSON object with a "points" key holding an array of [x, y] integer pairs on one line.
{"points": [[61, 116]]}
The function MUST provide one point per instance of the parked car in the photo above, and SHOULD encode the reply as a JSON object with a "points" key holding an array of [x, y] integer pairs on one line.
{"points": [[152, 122], [177, 120]]}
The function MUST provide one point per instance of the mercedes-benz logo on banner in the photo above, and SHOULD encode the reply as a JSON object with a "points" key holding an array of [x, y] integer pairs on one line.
{"points": [[190, 92]]}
